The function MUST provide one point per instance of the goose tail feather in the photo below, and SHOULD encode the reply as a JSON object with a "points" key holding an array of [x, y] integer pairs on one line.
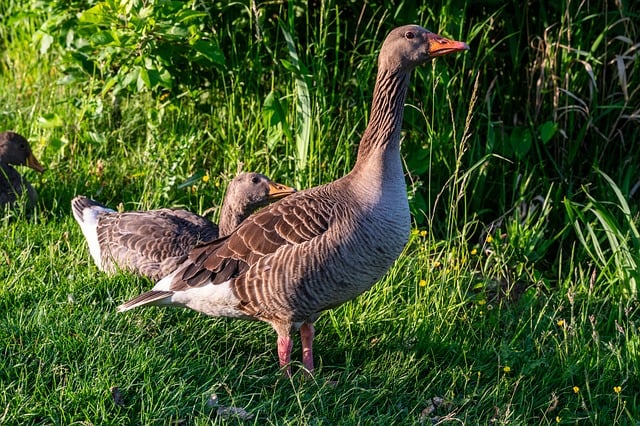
{"points": [[153, 297], [87, 211]]}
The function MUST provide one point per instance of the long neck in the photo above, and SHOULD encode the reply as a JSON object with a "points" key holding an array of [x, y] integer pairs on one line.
{"points": [[231, 216], [382, 136]]}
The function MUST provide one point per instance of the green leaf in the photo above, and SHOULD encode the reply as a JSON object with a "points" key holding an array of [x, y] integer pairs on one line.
{"points": [[102, 37], [547, 130], [273, 115], [288, 66], [165, 78], [100, 14], [417, 159], [143, 79], [130, 77], [175, 32], [145, 12], [210, 51], [187, 15], [50, 121], [57, 144], [520, 141], [418, 207], [624, 206], [87, 64], [108, 84], [193, 179], [303, 104], [46, 41]]}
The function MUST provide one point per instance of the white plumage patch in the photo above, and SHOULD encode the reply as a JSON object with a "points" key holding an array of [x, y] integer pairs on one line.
{"points": [[216, 300], [165, 283], [88, 220]]}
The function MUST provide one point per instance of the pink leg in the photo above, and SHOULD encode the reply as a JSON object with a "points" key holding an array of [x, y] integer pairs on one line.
{"points": [[307, 333], [285, 344]]}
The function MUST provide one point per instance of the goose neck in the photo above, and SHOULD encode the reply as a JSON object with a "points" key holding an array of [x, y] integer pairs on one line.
{"points": [[230, 218], [382, 135]]}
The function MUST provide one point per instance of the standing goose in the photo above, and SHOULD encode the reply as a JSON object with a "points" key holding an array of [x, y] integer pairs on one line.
{"points": [[16, 151], [323, 246], [152, 243]]}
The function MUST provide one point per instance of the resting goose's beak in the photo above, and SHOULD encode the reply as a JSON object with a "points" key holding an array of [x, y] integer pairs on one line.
{"points": [[33, 162], [440, 46], [277, 190]]}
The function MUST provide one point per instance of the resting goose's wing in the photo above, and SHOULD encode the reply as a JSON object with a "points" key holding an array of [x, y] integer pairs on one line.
{"points": [[148, 238]]}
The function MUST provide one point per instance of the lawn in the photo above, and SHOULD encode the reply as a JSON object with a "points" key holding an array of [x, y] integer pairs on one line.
{"points": [[515, 301]]}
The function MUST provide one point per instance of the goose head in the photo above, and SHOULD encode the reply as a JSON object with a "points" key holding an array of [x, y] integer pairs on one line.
{"points": [[15, 150], [245, 194], [249, 191], [409, 46]]}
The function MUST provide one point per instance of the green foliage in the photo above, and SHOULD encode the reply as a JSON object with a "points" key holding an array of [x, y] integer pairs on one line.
{"points": [[557, 100], [303, 104], [607, 232], [135, 45]]}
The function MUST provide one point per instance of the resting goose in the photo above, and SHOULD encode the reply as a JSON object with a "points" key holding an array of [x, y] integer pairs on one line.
{"points": [[323, 246], [152, 243], [16, 151]]}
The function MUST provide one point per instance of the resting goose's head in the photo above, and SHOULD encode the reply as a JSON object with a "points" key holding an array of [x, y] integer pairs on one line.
{"points": [[248, 191], [409, 46], [15, 150]]}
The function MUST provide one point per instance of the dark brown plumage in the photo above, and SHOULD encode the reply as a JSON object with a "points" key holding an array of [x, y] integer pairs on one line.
{"points": [[322, 246], [16, 151]]}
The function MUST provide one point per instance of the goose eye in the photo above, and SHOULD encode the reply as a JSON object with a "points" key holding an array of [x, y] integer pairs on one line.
{"points": [[255, 179], [409, 35]]}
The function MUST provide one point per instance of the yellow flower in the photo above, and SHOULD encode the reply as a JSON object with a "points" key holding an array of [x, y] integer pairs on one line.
{"points": [[474, 252], [576, 389], [414, 232], [489, 238], [205, 178], [558, 419], [506, 369], [423, 233], [617, 389], [422, 283], [482, 302], [560, 323], [437, 264]]}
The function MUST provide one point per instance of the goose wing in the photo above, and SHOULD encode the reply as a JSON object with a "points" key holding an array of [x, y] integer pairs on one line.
{"points": [[294, 220], [145, 239]]}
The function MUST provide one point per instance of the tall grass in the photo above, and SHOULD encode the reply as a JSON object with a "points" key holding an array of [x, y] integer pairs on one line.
{"points": [[514, 302], [612, 245]]}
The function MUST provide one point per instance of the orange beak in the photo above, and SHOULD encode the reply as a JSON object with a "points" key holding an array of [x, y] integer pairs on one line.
{"points": [[440, 46], [277, 191], [33, 162]]}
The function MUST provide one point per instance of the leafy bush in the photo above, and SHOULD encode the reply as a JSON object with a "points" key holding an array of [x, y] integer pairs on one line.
{"points": [[134, 45]]}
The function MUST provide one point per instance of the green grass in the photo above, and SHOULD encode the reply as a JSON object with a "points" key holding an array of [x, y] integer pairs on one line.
{"points": [[514, 302]]}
